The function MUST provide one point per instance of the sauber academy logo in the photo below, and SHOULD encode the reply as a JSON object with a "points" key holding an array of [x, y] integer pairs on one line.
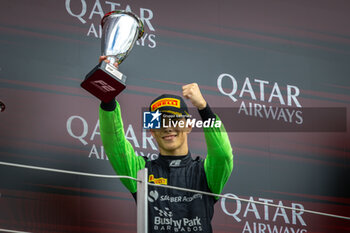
{"points": [[154, 196], [90, 14]]}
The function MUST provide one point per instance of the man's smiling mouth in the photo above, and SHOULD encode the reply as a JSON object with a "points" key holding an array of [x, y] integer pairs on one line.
{"points": [[169, 137]]}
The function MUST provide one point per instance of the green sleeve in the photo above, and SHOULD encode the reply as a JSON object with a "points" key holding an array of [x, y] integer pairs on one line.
{"points": [[218, 164], [120, 152]]}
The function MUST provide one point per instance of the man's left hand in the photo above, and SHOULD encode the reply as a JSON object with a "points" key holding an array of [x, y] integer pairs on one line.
{"points": [[193, 93]]}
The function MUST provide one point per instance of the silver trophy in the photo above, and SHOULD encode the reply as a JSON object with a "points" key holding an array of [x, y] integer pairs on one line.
{"points": [[120, 30]]}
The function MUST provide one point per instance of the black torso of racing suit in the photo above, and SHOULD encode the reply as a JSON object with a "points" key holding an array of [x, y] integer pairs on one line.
{"points": [[174, 210]]}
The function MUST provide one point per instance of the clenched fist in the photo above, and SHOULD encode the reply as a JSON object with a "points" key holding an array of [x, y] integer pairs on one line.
{"points": [[192, 92]]}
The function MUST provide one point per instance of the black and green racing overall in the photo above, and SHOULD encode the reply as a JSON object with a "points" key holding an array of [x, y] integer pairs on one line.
{"points": [[171, 210]]}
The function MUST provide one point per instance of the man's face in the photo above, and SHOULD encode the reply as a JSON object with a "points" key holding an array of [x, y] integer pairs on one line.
{"points": [[171, 138]]}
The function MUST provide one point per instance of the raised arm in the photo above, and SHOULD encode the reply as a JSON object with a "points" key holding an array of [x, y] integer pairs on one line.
{"points": [[120, 152], [218, 164]]}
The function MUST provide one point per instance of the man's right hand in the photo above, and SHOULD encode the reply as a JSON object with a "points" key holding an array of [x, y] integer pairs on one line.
{"points": [[104, 58]]}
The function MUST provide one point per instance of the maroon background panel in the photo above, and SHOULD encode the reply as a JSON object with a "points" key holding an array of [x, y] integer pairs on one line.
{"points": [[246, 56]]}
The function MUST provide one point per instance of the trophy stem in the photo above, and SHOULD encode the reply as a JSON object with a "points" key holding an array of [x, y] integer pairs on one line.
{"points": [[111, 60]]}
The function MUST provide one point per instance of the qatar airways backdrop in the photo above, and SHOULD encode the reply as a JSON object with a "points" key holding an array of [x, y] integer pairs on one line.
{"points": [[285, 62]]}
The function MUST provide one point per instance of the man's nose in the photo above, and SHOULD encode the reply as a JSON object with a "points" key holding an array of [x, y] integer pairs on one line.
{"points": [[168, 129]]}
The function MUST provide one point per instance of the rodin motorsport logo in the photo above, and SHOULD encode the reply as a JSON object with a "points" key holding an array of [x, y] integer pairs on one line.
{"points": [[157, 120]]}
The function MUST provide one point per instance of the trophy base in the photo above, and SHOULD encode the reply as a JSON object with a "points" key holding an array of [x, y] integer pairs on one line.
{"points": [[104, 81]]}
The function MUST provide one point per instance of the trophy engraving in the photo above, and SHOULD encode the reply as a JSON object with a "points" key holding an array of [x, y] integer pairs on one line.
{"points": [[120, 30]]}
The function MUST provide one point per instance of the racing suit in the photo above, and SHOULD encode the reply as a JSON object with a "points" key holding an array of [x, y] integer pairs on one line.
{"points": [[171, 210]]}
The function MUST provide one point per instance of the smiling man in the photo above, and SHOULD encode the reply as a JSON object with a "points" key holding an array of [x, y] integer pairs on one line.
{"points": [[172, 210], [172, 136]]}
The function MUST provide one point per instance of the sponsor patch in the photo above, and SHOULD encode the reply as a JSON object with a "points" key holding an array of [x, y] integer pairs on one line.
{"points": [[160, 180], [170, 102]]}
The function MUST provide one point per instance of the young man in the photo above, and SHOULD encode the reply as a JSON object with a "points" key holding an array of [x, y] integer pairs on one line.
{"points": [[172, 210]]}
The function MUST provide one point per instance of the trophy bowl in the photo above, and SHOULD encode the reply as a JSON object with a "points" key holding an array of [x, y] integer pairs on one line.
{"points": [[120, 30]]}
